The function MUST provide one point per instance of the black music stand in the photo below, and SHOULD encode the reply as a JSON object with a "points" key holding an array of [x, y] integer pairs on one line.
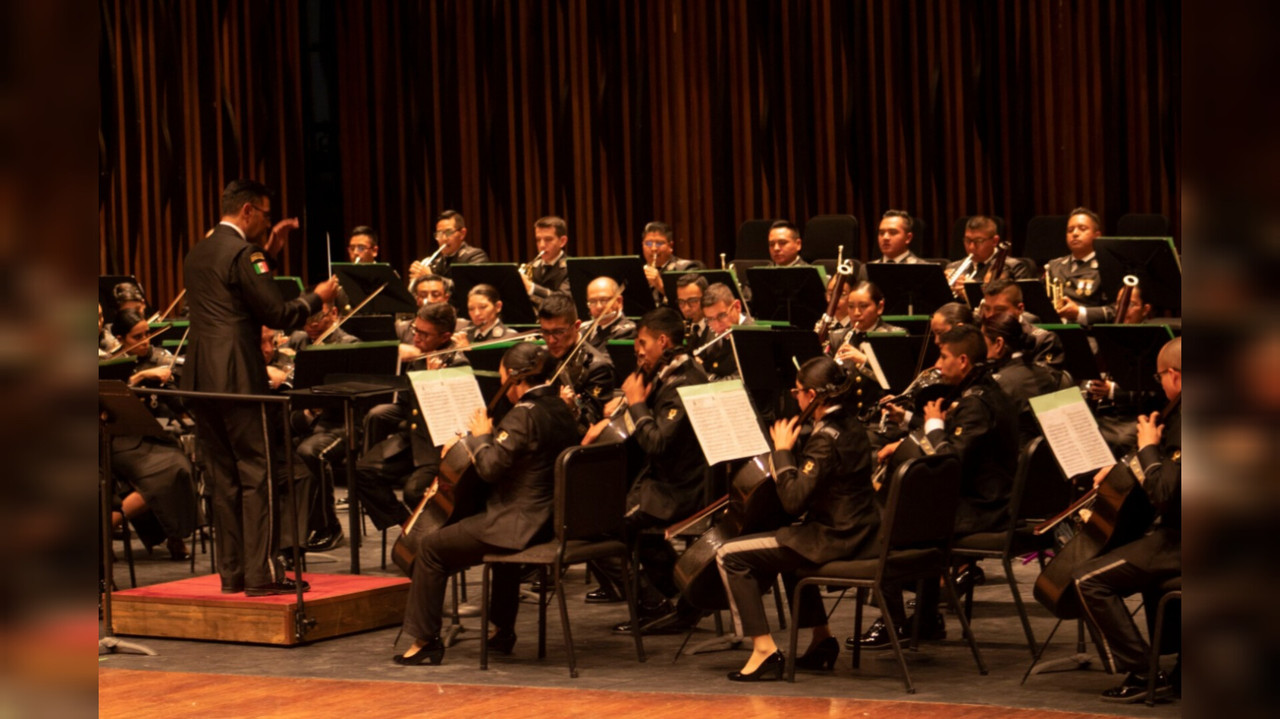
{"points": [[910, 289], [1034, 299], [120, 413], [1153, 260], [795, 295], [623, 354], [372, 328], [120, 368], [516, 306], [1128, 352], [291, 287], [1079, 359], [724, 277], [765, 363], [626, 270], [362, 279], [315, 363], [898, 354], [488, 358]]}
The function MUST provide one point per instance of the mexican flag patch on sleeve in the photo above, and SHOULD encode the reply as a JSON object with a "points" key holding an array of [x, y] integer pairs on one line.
{"points": [[259, 262]]}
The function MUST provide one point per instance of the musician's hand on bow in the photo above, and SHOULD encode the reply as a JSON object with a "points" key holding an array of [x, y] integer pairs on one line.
{"points": [[594, 431], [1102, 474], [784, 433], [408, 353], [887, 451], [848, 352], [279, 234], [480, 423], [1149, 432], [635, 389], [934, 410], [161, 374]]}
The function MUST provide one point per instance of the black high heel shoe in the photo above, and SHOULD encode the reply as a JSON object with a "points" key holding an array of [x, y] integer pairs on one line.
{"points": [[821, 657], [502, 641], [432, 652], [770, 669]]}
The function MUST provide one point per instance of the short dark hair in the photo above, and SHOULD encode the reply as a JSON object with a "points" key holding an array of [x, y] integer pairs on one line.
{"points": [[239, 192], [872, 289], [785, 225], [955, 314], [664, 321], [1003, 285], [488, 291], [528, 361], [661, 228], [448, 283], [981, 223], [908, 223], [965, 340], [366, 231], [692, 278], [558, 305], [459, 222], [1007, 328], [440, 315], [1097, 221], [719, 292], [556, 223]]}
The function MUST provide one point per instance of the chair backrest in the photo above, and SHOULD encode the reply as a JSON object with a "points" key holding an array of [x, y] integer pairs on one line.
{"points": [[1046, 238], [591, 491], [956, 248], [753, 240], [1044, 491], [1142, 225], [924, 496], [823, 234]]}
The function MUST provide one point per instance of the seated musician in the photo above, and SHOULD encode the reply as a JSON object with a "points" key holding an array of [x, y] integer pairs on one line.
{"points": [[107, 342], [604, 302], [1004, 297], [894, 236], [129, 296], [897, 419], [155, 489], [518, 462], [689, 291], [981, 428], [1082, 300], [723, 312], [840, 321], [484, 305], [549, 271], [980, 242], [451, 238], [589, 380], [866, 309], [785, 244], [427, 290], [1020, 376], [408, 454], [658, 245], [828, 482], [672, 485], [1146, 563]]}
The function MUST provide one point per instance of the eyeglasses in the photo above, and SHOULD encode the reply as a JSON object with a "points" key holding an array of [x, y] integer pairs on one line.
{"points": [[425, 333], [599, 302], [359, 248], [652, 245], [722, 317], [1160, 375], [691, 302], [265, 214], [555, 333], [444, 234], [796, 392]]}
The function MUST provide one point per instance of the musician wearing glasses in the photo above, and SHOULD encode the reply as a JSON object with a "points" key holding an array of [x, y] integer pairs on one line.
{"points": [[451, 240], [549, 271], [980, 242], [604, 302], [828, 482], [658, 245], [689, 291], [589, 379], [362, 245], [722, 312]]}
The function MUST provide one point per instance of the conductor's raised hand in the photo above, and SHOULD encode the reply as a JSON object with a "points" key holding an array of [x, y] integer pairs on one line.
{"points": [[328, 289], [280, 234]]}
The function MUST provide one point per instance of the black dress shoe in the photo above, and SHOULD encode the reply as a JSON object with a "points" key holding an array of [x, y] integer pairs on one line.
{"points": [[1134, 689], [284, 586], [286, 559], [603, 596], [648, 612], [821, 657], [875, 638], [432, 653], [968, 578], [769, 670], [502, 641], [322, 540]]}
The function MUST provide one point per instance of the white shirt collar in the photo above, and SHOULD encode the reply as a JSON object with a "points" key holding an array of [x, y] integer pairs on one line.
{"points": [[236, 228]]}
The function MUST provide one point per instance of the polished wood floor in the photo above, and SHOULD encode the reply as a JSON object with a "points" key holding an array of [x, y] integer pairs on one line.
{"points": [[164, 695]]}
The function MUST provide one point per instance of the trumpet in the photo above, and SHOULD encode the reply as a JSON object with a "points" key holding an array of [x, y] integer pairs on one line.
{"points": [[426, 262], [961, 271]]}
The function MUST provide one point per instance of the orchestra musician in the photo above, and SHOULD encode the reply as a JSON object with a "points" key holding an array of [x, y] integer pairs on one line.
{"points": [[722, 312], [658, 245], [1142, 565], [980, 241], [484, 305], [451, 237], [689, 291], [604, 302], [672, 484], [894, 236], [1082, 300], [518, 462], [1004, 297], [784, 245], [549, 271], [828, 482], [865, 305], [1018, 374], [589, 380]]}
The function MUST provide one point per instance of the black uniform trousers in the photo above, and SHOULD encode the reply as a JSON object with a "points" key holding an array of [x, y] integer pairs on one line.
{"points": [[1103, 583], [657, 561], [325, 439], [377, 477], [748, 566], [444, 553]]}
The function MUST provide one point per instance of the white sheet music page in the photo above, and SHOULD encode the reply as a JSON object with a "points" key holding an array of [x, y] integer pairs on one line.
{"points": [[724, 420], [1072, 432], [447, 398]]}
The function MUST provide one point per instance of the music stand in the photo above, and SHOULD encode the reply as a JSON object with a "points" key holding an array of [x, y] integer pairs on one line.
{"points": [[724, 277], [291, 287], [120, 413], [315, 363], [488, 358], [626, 270], [372, 328], [796, 295], [362, 279], [898, 353], [1079, 359], [1153, 260], [120, 368], [505, 277], [1034, 299], [623, 354], [764, 357], [1128, 352], [910, 289]]}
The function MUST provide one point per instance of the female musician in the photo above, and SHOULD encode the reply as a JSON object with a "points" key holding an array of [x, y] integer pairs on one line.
{"points": [[155, 486], [107, 342], [485, 307], [1017, 374], [866, 307], [829, 482], [519, 462]]}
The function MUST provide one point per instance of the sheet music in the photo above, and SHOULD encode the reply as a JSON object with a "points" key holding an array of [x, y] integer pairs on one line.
{"points": [[447, 398], [724, 420], [1072, 432]]}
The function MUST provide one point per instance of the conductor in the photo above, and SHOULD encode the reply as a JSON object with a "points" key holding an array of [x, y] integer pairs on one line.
{"points": [[232, 296]]}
